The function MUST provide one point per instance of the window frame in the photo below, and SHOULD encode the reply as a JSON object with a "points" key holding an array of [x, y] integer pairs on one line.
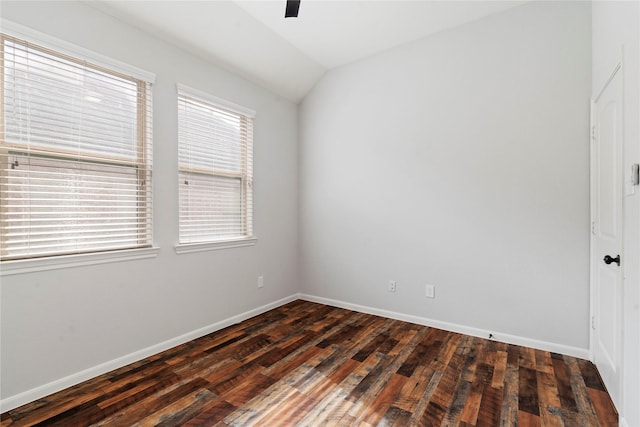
{"points": [[76, 54], [245, 175]]}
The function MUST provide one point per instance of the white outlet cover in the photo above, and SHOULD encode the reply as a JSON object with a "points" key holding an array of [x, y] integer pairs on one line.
{"points": [[430, 291]]}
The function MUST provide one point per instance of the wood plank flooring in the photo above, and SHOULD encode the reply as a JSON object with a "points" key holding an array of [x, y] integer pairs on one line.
{"points": [[307, 364]]}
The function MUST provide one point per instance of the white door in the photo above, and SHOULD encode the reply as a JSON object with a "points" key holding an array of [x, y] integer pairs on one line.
{"points": [[607, 258]]}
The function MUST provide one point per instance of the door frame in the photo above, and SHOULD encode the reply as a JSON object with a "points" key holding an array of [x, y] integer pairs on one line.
{"points": [[594, 256]]}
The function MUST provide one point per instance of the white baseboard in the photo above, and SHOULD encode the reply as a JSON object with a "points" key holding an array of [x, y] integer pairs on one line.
{"points": [[62, 383], [582, 353], [39, 392]]}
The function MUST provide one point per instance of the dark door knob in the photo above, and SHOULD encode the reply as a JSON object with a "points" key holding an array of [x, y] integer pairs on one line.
{"points": [[608, 259]]}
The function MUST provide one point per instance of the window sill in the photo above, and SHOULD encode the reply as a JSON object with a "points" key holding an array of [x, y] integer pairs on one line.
{"points": [[22, 266], [186, 248]]}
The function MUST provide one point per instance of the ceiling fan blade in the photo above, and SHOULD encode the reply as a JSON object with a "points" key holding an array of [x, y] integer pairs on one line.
{"points": [[292, 9]]}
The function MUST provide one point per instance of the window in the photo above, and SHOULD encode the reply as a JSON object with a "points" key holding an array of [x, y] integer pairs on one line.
{"points": [[215, 140], [75, 153]]}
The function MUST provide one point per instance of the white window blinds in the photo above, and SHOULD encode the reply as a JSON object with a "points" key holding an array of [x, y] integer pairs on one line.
{"points": [[75, 172], [215, 155]]}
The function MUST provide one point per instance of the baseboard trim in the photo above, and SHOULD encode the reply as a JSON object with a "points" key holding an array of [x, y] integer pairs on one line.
{"points": [[39, 392], [582, 353]]}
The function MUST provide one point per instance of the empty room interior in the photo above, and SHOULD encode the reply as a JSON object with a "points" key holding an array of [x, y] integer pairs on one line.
{"points": [[365, 213]]}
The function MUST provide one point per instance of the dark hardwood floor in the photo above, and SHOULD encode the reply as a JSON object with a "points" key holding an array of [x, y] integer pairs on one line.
{"points": [[308, 364]]}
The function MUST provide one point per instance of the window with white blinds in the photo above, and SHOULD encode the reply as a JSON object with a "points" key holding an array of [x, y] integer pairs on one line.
{"points": [[215, 140], [75, 172]]}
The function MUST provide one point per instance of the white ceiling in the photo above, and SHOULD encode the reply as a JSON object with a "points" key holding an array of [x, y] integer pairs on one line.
{"points": [[288, 56]]}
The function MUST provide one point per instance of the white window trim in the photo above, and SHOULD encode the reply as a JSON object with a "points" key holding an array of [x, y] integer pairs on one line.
{"points": [[22, 266], [216, 101], [186, 248], [30, 265], [225, 243], [19, 31]]}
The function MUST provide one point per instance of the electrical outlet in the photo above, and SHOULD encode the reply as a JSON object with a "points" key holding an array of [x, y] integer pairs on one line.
{"points": [[430, 291], [261, 281], [392, 286]]}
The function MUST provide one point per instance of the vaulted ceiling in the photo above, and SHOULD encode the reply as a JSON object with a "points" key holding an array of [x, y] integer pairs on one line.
{"points": [[288, 56]]}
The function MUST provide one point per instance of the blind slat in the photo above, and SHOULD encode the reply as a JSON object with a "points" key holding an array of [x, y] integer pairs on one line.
{"points": [[215, 178], [75, 158]]}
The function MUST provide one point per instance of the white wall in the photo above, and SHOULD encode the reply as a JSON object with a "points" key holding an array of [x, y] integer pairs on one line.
{"points": [[460, 160], [57, 323], [617, 24]]}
